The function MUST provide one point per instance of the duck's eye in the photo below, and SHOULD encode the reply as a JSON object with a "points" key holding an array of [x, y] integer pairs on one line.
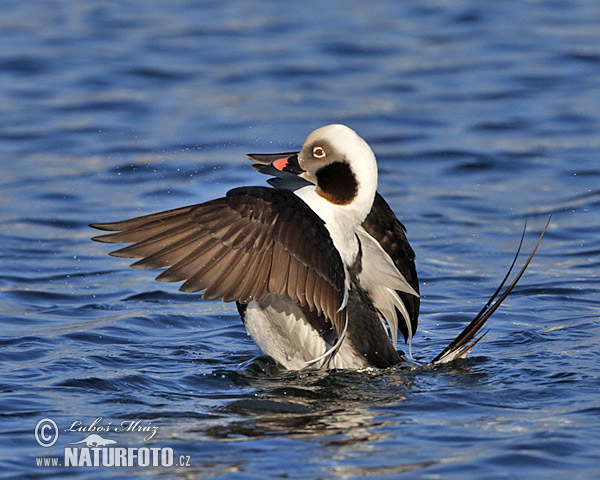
{"points": [[318, 152]]}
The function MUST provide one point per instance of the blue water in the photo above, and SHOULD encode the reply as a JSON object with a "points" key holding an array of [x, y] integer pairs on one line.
{"points": [[481, 114]]}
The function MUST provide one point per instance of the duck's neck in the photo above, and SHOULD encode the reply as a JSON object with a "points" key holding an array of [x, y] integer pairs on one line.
{"points": [[341, 221]]}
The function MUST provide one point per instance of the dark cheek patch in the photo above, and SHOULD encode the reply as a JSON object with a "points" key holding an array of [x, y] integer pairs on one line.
{"points": [[337, 183]]}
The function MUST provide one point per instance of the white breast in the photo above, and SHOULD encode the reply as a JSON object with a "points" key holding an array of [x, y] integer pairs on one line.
{"points": [[341, 222]]}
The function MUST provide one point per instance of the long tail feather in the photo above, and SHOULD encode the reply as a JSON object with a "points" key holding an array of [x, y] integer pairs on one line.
{"points": [[460, 346]]}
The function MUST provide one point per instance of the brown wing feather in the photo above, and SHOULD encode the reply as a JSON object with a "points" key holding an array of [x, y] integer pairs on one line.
{"points": [[301, 284], [239, 285], [165, 253], [146, 221], [240, 248], [259, 287], [310, 288]]}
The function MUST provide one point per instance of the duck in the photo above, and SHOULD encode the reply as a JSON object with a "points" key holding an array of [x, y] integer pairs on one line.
{"points": [[319, 266]]}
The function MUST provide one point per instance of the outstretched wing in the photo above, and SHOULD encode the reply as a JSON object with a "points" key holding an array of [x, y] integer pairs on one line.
{"points": [[253, 242]]}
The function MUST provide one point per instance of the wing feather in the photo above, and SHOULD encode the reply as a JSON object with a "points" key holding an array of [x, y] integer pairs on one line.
{"points": [[301, 278], [309, 288], [222, 276], [245, 284], [159, 256], [292, 278], [147, 221], [242, 247], [279, 268], [187, 266]]}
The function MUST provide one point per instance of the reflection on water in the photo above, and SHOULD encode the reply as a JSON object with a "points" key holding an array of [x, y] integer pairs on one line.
{"points": [[334, 407]]}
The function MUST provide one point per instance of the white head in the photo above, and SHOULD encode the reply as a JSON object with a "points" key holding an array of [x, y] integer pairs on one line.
{"points": [[342, 165]]}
